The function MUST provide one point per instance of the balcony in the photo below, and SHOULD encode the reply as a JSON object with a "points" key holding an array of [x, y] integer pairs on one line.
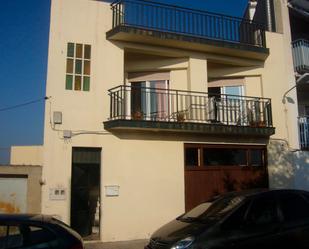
{"points": [[152, 109], [303, 125], [172, 26], [300, 50]]}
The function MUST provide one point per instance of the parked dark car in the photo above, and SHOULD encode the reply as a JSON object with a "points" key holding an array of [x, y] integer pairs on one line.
{"points": [[241, 220], [36, 232]]}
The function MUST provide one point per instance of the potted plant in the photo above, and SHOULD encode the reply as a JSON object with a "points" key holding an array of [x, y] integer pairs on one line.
{"points": [[180, 116], [137, 115], [262, 124]]}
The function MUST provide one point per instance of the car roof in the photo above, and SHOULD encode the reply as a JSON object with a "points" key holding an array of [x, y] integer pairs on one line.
{"points": [[26, 217], [254, 192]]}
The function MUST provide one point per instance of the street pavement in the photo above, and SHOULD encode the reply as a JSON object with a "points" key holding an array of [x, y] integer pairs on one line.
{"points": [[133, 244]]}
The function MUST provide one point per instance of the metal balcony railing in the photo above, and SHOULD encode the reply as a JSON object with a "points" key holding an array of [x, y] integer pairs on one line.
{"points": [[152, 16], [165, 105], [303, 125], [300, 50]]}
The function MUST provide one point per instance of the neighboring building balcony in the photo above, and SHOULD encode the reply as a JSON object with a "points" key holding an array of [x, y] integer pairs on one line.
{"points": [[167, 25], [300, 49], [303, 124], [151, 109]]}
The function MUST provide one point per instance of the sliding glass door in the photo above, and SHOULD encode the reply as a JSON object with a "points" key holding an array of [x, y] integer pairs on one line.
{"points": [[149, 100]]}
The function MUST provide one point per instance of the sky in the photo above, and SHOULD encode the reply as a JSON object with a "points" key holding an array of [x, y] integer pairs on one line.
{"points": [[24, 30]]}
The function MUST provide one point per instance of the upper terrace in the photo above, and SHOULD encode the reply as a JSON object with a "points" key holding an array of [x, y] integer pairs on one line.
{"points": [[178, 27]]}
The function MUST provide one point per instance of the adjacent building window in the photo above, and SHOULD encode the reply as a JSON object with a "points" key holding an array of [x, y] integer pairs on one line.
{"points": [[204, 155], [78, 67]]}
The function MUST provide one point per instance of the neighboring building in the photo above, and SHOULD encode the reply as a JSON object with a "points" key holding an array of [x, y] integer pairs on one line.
{"points": [[299, 19], [26, 155], [154, 108], [20, 189], [21, 181]]}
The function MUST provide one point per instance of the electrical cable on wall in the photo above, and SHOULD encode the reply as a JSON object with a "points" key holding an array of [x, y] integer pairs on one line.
{"points": [[73, 132]]}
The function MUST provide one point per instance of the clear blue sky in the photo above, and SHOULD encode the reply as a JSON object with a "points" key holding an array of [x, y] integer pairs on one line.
{"points": [[24, 29]]}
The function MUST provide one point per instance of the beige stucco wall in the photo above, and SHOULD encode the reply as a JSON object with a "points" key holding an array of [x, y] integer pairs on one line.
{"points": [[197, 73], [26, 155], [301, 170], [253, 85], [34, 181], [148, 167]]}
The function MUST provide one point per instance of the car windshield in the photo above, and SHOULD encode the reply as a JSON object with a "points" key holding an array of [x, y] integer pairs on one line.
{"points": [[214, 211]]}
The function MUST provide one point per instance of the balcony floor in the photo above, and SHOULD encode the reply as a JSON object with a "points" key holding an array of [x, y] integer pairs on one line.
{"points": [[182, 41], [188, 127]]}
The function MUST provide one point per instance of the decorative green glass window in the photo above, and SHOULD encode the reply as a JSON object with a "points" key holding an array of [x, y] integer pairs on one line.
{"points": [[78, 67]]}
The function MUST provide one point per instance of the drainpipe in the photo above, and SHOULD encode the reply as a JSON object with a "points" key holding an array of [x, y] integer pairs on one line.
{"points": [[269, 15]]}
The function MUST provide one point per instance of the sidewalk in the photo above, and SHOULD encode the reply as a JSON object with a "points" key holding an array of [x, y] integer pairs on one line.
{"points": [[132, 244]]}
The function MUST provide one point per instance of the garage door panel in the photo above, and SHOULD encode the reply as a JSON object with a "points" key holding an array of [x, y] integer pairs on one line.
{"points": [[202, 185]]}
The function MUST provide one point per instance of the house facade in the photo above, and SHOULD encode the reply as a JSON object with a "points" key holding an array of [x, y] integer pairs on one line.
{"points": [[155, 108]]}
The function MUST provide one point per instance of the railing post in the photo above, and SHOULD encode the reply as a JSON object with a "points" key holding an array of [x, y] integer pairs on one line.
{"points": [[113, 9], [270, 115], [227, 110], [111, 105], [176, 101]]}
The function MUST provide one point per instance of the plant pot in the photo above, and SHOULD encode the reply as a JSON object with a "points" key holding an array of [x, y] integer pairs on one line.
{"points": [[180, 117], [137, 115]]}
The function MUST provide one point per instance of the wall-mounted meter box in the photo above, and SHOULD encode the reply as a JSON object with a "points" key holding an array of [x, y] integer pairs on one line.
{"points": [[57, 194], [111, 190], [57, 117]]}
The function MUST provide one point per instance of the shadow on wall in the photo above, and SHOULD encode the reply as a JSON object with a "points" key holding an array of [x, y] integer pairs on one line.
{"points": [[287, 169], [280, 165], [301, 159]]}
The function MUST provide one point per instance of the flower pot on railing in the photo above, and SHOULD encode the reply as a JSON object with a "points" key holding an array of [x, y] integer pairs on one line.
{"points": [[257, 124], [180, 116], [137, 115], [262, 124]]}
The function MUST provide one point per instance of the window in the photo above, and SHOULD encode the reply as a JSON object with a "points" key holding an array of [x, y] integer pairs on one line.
{"points": [[263, 212], [215, 211], [294, 207], [192, 156], [78, 67], [256, 157], [34, 235], [14, 238], [149, 99], [3, 232], [224, 156], [230, 90], [205, 155], [236, 219], [229, 107]]}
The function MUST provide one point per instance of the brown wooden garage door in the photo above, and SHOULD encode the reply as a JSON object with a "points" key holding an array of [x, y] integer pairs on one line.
{"points": [[214, 169]]}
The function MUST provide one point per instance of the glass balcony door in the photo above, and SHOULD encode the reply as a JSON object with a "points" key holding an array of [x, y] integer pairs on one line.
{"points": [[149, 100], [227, 108]]}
